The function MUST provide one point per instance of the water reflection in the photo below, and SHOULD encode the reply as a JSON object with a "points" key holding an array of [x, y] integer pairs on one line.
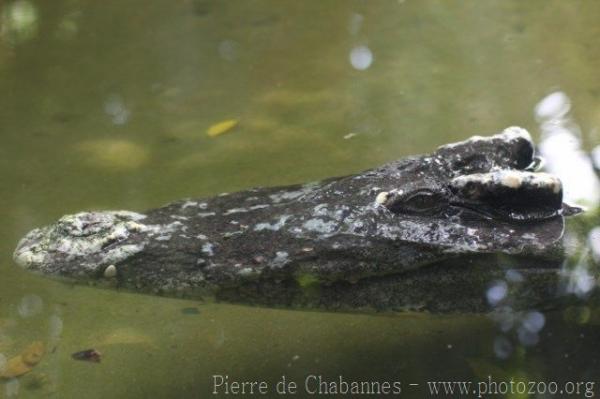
{"points": [[525, 326], [526, 337], [596, 158], [444, 72], [11, 388], [355, 23], [579, 278], [115, 108], [228, 50], [55, 328], [361, 57], [3, 361], [594, 243], [561, 147], [514, 276], [30, 305], [19, 22], [68, 27], [533, 321], [497, 292], [503, 348]]}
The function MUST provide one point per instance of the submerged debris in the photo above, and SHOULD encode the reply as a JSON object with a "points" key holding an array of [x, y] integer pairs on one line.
{"points": [[89, 355]]}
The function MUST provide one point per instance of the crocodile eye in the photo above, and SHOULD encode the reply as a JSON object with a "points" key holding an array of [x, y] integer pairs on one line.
{"points": [[424, 201]]}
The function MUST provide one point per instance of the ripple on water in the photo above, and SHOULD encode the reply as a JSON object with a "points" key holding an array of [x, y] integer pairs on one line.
{"points": [[113, 154], [503, 348], [30, 305]]}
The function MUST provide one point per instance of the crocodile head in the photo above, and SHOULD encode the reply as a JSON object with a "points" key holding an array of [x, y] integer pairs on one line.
{"points": [[482, 195], [479, 196]]}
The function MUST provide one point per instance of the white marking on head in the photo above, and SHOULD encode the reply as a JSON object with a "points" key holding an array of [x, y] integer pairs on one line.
{"points": [[207, 248], [319, 226], [235, 210], [206, 214], [259, 206], [247, 271], [382, 197], [514, 133], [274, 227], [509, 134], [188, 204], [281, 258], [291, 195], [110, 271], [122, 252], [511, 180]]}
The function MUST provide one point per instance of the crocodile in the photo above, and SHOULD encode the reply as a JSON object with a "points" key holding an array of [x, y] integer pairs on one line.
{"points": [[428, 233]]}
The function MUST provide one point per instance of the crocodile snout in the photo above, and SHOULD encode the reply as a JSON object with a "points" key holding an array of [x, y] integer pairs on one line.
{"points": [[85, 237]]}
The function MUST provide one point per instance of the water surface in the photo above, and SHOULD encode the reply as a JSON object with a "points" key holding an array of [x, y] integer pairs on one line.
{"points": [[106, 106]]}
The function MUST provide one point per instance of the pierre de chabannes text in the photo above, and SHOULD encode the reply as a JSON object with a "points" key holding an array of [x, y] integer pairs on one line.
{"points": [[319, 385]]}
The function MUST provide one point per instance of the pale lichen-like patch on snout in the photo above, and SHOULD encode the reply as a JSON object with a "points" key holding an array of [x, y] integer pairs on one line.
{"points": [[79, 236], [29, 250]]}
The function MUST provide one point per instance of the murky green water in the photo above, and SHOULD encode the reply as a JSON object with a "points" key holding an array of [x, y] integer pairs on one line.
{"points": [[105, 105]]}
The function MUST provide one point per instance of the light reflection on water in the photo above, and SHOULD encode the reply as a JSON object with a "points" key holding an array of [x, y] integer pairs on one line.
{"points": [[108, 108], [561, 147]]}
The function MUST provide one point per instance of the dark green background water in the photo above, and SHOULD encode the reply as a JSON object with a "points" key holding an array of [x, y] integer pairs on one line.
{"points": [[105, 105]]}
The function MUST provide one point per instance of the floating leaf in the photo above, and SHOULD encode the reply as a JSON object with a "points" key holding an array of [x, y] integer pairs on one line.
{"points": [[221, 127], [24, 362]]}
